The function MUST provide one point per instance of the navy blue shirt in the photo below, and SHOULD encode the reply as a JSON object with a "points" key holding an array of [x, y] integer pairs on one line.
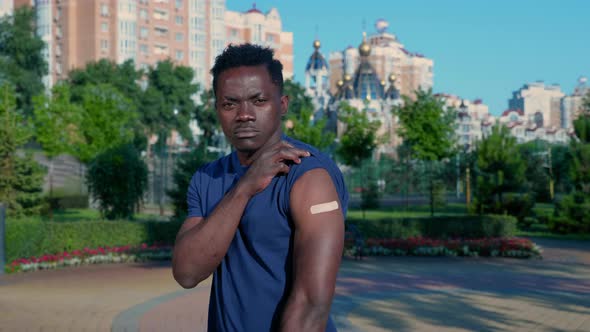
{"points": [[252, 283]]}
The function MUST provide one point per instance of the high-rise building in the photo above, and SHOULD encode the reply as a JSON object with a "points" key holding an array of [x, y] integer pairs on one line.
{"points": [[256, 27], [388, 57], [80, 31], [189, 32]]}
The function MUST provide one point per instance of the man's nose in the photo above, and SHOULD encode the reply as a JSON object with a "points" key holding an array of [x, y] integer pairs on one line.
{"points": [[246, 112]]}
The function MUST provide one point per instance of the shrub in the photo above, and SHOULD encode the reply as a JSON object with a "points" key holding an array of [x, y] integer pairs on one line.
{"points": [[36, 238], [117, 178], [439, 227], [572, 215]]}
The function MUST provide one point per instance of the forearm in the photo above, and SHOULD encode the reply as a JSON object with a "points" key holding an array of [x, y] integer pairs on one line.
{"points": [[304, 315], [199, 250]]}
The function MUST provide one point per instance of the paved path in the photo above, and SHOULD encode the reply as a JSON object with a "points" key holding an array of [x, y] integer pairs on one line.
{"points": [[377, 294]]}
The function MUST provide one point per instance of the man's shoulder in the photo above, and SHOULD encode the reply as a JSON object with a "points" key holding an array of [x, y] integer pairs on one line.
{"points": [[214, 167], [317, 159]]}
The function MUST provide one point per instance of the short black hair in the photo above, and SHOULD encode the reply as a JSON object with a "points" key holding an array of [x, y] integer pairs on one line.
{"points": [[249, 55]]}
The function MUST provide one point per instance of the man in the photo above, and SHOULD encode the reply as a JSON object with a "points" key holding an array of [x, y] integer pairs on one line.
{"points": [[268, 219]]}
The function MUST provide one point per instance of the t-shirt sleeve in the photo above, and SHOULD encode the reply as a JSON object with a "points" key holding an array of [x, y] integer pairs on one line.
{"points": [[193, 196], [313, 162]]}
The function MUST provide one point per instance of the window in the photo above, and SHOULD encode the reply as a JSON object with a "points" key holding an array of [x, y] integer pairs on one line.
{"points": [[104, 44], [270, 38], [179, 36], [104, 10], [104, 27], [143, 32], [143, 13], [160, 14], [178, 4], [179, 55], [143, 48], [179, 20], [161, 31]]}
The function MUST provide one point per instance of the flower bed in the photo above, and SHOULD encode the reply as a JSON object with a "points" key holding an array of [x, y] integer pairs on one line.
{"points": [[87, 256], [488, 247]]}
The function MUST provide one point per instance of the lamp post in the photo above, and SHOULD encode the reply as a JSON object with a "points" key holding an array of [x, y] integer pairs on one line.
{"points": [[467, 179]]}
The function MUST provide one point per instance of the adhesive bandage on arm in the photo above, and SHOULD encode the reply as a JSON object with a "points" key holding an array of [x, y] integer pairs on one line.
{"points": [[324, 207]]}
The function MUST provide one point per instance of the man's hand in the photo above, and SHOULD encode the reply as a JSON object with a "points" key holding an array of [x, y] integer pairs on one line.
{"points": [[269, 162]]}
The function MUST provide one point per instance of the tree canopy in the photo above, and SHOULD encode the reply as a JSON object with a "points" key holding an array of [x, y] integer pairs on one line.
{"points": [[426, 127], [21, 178], [359, 139], [21, 58]]}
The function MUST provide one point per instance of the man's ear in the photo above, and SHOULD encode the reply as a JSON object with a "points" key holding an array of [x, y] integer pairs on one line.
{"points": [[284, 104]]}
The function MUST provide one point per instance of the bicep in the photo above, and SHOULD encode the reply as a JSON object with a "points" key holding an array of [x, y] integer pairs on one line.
{"points": [[319, 235]]}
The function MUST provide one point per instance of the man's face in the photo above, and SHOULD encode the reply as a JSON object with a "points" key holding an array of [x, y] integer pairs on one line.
{"points": [[249, 107]]}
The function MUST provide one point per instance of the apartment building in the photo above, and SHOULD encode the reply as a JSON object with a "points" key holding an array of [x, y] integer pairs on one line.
{"points": [[188, 32], [256, 27]]}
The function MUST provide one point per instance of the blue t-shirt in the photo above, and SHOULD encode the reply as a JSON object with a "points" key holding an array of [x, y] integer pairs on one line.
{"points": [[252, 283]]}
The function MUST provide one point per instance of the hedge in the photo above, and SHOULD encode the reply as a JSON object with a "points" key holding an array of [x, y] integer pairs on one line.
{"points": [[36, 238], [439, 227]]}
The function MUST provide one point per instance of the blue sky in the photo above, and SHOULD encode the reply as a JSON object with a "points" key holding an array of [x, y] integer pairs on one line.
{"points": [[481, 49]]}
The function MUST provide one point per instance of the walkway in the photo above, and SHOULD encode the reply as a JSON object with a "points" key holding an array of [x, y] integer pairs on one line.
{"points": [[377, 294]]}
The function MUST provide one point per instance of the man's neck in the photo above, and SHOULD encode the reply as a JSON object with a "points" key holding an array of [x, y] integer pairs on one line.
{"points": [[246, 158]]}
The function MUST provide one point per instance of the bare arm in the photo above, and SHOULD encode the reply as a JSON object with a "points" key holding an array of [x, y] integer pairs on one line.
{"points": [[202, 243], [318, 244]]}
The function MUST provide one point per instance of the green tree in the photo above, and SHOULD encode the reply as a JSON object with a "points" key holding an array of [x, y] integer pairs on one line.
{"points": [[357, 143], [304, 128], [22, 61], [535, 154], [57, 128], [499, 169], [167, 104], [429, 131], [117, 178], [573, 212], [185, 168], [107, 121], [298, 100], [206, 117], [123, 77], [21, 178]]}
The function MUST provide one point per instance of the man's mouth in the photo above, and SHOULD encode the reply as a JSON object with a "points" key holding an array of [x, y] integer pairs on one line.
{"points": [[245, 132]]}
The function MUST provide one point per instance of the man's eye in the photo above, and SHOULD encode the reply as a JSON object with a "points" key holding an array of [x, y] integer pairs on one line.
{"points": [[228, 105], [259, 101]]}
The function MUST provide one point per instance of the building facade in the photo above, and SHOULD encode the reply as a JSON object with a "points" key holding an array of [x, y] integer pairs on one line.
{"points": [[571, 106], [474, 120], [539, 103]]}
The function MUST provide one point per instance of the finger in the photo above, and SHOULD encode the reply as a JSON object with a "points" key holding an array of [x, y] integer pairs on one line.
{"points": [[282, 168], [290, 154]]}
